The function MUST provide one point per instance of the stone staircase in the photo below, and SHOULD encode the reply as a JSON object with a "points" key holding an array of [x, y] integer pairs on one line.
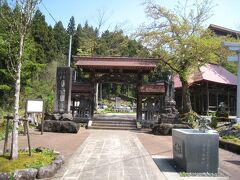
{"points": [[113, 123]]}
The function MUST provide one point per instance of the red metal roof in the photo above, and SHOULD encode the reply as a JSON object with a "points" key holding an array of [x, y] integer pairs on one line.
{"points": [[209, 72], [116, 63]]}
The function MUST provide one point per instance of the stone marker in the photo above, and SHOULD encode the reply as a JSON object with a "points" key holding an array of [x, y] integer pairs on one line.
{"points": [[63, 91]]}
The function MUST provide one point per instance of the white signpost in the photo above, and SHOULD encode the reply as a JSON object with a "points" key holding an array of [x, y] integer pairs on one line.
{"points": [[236, 48]]}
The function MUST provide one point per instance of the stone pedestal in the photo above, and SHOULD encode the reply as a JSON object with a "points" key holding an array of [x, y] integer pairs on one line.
{"points": [[194, 151], [63, 90]]}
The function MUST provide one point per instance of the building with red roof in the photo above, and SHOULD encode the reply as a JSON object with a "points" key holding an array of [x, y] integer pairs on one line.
{"points": [[209, 85]]}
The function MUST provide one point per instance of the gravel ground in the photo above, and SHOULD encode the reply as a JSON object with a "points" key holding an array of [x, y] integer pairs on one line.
{"points": [[65, 143]]}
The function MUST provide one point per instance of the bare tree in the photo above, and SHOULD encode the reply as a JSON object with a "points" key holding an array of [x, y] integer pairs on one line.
{"points": [[101, 19]]}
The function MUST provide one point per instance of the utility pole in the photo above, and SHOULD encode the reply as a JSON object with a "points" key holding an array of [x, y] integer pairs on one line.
{"points": [[236, 48], [70, 51]]}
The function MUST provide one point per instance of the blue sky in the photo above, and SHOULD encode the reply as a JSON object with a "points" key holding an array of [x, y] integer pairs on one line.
{"points": [[129, 14]]}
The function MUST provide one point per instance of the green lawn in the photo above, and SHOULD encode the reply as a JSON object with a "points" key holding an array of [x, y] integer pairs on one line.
{"points": [[37, 160]]}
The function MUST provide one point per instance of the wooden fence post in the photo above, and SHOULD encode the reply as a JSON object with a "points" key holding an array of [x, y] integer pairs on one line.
{"points": [[6, 133], [26, 124]]}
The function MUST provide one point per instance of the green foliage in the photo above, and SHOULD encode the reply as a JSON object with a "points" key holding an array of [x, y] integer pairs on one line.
{"points": [[37, 160], [2, 131], [43, 86], [5, 87], [3, 128], [60, 38], [46, 48], [178, 38], [117, 44], [190, 118], [214, 122], [236, 126], [184, 174], [71, 26], [232, 139]]}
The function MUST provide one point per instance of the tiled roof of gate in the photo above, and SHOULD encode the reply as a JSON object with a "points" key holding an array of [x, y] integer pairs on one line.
{"points": [[209, 72], [116, 63]]}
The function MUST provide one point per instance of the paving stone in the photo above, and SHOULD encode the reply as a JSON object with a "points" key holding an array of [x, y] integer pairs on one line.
{"points": [[112, 155]]}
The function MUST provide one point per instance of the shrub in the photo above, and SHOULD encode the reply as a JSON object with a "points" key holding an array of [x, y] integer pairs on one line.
{"points": [[214, 122], [190, 118]]}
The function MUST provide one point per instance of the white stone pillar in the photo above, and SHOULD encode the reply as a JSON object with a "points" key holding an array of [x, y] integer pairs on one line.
{"points": [[238, 89], [235, 47]]}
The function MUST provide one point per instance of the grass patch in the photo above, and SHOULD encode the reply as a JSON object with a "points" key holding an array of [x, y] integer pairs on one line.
{"points": [[236, 126], [37, 160], [184, 174], [231, 139]]}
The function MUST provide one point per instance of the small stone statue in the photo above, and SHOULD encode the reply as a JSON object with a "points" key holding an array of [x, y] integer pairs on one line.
{"points": [[169, 114], [222, 110], [203, 124], [222, 107], [169, 87]]}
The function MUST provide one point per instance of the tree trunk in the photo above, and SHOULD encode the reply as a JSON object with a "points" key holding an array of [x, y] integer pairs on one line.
{"points": [[14, 147], [186, 100]]}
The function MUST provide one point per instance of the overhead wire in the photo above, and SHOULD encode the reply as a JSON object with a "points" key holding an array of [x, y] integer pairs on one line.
{"points": [[50, 14]]}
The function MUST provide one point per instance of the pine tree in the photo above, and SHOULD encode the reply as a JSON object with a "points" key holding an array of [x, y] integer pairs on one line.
{"points": [[39, 31], [71, 26], [61, 38]]}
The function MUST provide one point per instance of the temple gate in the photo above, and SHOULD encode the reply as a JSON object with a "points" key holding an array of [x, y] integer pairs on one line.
{"points": [[152, 99]]}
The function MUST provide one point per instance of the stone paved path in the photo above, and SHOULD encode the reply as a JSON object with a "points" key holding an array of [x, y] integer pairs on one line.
{"points": [[112, 155]]}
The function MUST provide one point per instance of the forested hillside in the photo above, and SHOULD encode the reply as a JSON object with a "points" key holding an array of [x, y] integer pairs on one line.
{"points": [[46, 48]]}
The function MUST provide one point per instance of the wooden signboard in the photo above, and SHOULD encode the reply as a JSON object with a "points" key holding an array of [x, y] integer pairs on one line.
{"points": [[152, 89], [34, 106]]}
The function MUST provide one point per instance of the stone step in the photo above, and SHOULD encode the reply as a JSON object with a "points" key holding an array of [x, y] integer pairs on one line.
{"points": [[112, 128], [113, 125], [113, 122], [106, 119]]}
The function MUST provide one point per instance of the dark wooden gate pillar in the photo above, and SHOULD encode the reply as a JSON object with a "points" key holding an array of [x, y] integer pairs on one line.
{"points": [[92, 97], [139, 98], [139, 107], [207, 91]]}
